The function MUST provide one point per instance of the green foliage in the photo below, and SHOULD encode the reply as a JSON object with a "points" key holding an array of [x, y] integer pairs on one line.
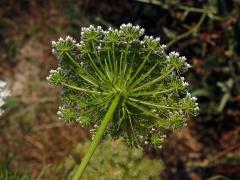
{"points": [[154, 96], [115, 161], [7, 174]]}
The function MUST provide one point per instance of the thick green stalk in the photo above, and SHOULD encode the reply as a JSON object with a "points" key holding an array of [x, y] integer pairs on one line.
{"points": [[97, 138]]}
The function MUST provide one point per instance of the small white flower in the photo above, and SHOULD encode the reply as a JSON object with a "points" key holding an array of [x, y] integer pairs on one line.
{"points": [[183, 58], [4, 93], [188, 65], [142, 31], [78, 45], [184, 83], [68, 38], [194, 98], [163, 46], [129, 25], [164, 136], [196, 108], [146, 37], [59, 113], [54, 44], [53, 51], [173, 54], [154, 110]]}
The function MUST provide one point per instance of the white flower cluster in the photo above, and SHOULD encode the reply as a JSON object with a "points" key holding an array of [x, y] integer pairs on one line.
{"points": [[163, 46], [87, 32], [150, 41], [60, 112], [93, 131], [173, 121], [184, 83], [194, 99], [52, 73], [80, 44], [91, 32], [174, 54], [91, 28], [160, 138], [110, 29], [68, 39], [4, 93], [153, 132], [129, 25], [151, 38]]}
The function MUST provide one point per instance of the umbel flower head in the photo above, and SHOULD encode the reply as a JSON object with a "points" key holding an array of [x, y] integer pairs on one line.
{"points": [[154, 96], [4, 93]]}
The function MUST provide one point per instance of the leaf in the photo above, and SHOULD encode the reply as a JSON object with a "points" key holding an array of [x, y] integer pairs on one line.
{"points": [[225, 87], [203, 92], [169, 33]]}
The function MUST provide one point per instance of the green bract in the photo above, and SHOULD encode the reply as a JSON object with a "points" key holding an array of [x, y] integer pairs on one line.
{"points": [[153, 95]]}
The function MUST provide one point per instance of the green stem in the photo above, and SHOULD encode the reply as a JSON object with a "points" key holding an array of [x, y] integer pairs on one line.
{"points": [[153, 104], [148, 84], [82, 89], [140, 67], [188, 33], [152, 93], [142, 77], [89, 78], [97, 138]]}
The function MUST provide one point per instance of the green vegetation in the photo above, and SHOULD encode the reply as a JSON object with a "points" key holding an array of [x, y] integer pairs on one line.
{"points": [[113, 160], [7, 174]]}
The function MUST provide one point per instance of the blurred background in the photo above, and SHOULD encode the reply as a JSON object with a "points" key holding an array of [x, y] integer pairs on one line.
{"points": [[34, 144]]}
